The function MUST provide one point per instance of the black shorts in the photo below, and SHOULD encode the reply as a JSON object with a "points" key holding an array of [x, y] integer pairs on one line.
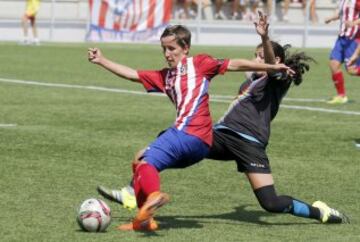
{"points": [[249, 156]]}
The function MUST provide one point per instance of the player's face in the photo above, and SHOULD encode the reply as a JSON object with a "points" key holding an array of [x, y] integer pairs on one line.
{"points": [[259, 58], [259, 55], [173, 52]]}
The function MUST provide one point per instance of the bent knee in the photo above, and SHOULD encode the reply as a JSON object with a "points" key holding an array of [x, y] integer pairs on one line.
{"points": [[272, 203], [138, 157], [272, 207]]}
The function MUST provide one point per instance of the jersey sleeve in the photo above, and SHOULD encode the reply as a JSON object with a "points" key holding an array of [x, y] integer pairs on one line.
{"points": [[210, 66], [153, 81]]}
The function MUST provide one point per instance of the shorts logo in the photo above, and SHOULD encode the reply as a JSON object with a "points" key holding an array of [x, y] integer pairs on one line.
{"points": [[257, 165]]}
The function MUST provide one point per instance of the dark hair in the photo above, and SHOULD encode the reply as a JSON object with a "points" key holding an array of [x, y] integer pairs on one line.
{"points": [[181, 33], [297, 61]]}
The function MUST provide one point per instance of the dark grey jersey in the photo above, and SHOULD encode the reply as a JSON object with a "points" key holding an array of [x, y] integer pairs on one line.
{"points": [[256, 105]]}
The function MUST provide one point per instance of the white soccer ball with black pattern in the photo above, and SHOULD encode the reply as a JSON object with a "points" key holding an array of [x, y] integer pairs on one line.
{"points": [[94, 215]]}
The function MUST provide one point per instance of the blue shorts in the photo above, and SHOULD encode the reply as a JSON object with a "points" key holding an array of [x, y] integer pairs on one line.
{"points": [[175, 149], [344, 48]]}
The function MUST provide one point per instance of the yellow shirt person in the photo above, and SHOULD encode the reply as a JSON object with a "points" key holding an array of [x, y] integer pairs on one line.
{"points": [[32, 7]]}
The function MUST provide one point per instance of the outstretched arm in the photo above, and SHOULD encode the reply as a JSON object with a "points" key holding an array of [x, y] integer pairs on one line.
{"points": [[95, 56], [247, 65], [262, 27], [336, 16], [269, 66]]}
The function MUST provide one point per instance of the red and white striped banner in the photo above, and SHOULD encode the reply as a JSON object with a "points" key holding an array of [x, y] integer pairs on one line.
{"points": [[128, 20]]}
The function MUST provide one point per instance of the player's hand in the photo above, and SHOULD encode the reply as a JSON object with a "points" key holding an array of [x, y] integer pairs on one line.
{"points": [[262, 25], [94, 55], [328, 20], [351, 61], [349, 24], [284, 68]]}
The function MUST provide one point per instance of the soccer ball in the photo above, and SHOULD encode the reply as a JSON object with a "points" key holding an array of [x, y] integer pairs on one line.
{"points": [[94, 215]]}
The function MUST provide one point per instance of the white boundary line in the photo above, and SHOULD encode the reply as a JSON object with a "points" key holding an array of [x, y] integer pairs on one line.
{"points": [[307, 100], [325, 110], [7, 125], [216, 98]]}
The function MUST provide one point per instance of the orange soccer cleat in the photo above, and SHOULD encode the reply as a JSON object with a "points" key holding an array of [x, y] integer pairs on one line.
{"points": [[144, 219], [154, 201]]}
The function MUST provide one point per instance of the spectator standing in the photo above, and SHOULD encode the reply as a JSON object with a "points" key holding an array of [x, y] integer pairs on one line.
{"points": [[312, 9], [268, 9], [219, 14], [32, 7], [252, 14]]}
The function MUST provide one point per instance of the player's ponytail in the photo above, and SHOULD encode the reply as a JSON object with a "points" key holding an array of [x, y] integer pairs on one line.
{"points": [[299, 62]]}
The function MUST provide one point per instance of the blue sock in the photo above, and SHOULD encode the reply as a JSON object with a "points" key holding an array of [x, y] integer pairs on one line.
{"points": [[300, 209], [305, 210]]}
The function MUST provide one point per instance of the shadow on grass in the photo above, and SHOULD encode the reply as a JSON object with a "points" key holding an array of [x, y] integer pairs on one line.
{"points": [[238, 215]]}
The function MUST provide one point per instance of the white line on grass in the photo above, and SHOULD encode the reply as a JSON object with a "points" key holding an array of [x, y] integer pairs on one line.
{"points": [[305, 100], [216, 98], [106, 89], [325, 110], [286, 99], [7, 125]]}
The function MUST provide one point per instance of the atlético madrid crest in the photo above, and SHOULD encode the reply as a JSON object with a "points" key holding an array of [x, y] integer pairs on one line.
{"points": [[183, 70]]}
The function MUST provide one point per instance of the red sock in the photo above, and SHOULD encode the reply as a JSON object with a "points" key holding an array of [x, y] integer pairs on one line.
{"points": [[339, 83], [146, 181]]}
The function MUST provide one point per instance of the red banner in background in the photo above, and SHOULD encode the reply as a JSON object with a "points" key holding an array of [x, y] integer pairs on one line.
{"points": [[128, 20]]}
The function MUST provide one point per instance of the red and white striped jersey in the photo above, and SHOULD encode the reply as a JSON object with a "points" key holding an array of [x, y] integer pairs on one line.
{"points": [[349, 10], [187, 87]]}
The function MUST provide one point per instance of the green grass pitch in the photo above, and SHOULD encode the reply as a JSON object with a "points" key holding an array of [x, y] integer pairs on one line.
{"points": [[68, 140]]}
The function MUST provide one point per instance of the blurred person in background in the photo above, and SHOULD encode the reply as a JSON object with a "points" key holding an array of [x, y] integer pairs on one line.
{"points": [[219, 14], [32, 7], [252, 14], [185, 9], [267, 5], [344, 48], [282, 9], [238, 9], [280, 12], [312, 9], [188, 9], [286, 10], [312, 14]]}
